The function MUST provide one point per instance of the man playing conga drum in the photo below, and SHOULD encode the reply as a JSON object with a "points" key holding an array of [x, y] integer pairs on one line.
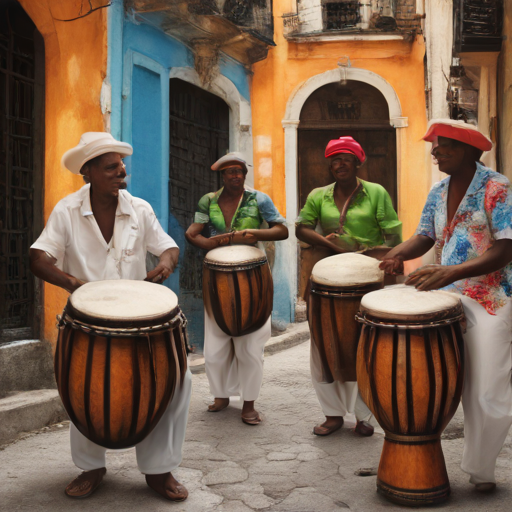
{"points": [[102, 232], [234, 214], [468, 220]]}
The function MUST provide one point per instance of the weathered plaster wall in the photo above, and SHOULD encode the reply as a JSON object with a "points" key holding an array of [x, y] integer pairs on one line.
{"points": [[505, 95], [75, 66], [289, 65]]}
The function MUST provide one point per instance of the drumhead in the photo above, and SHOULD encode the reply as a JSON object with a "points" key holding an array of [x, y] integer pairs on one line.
{"points": [[349, 269], [234, 255], [123, 300], [405, 302]]}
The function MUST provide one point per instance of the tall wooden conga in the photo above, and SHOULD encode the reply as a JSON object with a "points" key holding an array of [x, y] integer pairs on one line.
{"points": [[120, 354], [410, 374], [237, 288], [337, 285]]}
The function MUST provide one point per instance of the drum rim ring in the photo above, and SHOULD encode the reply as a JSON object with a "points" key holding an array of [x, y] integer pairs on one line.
{"points": [[234, 267], [416, 326], [411, 439], [66, 320]]}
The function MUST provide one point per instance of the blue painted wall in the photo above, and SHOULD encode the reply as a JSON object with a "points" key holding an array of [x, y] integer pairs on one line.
{"points": [[140, 57]]}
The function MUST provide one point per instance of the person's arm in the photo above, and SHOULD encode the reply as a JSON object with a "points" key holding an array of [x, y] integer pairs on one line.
{"points": [[433, 277], [166, 266], [276, 231], [194, 236], [416, 246], [42, 265], [308, 234]]}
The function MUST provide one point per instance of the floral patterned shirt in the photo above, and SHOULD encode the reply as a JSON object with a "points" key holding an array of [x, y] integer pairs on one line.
{"points": [[254, 208], [483, 216]]}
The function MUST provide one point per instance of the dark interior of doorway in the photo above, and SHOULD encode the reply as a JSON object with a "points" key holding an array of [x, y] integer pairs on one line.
{"points": [[21, 170], [199, 135]]}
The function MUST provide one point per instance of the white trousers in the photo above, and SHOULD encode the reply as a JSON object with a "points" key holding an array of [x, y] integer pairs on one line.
{"points": [[160, 452], [338, 398], [487, 394], [234, 365]]}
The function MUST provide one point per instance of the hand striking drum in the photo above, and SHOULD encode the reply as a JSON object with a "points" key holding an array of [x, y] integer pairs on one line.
{"points": [[410, 373]]}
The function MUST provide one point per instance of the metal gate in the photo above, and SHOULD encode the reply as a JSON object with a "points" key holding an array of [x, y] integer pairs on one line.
{"points": [[199, 135], [21, 78]]}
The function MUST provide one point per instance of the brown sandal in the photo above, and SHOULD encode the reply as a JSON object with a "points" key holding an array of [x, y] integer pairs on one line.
{"points": [[85, 484], [320, 430], [252, 420], [157, 483], [218, 407]]}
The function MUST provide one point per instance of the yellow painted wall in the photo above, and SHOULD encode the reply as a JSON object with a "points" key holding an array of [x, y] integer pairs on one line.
{"points": [[290, 64], [505, 95], [75, 66]]}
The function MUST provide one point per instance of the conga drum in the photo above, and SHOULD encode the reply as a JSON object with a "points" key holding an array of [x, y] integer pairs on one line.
{"points": [[121, 352], [337, 285], [237, 288], [410, 374]]}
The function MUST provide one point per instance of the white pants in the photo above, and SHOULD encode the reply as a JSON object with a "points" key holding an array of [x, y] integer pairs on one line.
{"points": [[160, 452], [338, 398], [234, 365], [487, 395]]}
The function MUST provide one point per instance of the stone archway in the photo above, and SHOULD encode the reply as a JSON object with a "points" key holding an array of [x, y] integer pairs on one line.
{"points": [[291, 123]]}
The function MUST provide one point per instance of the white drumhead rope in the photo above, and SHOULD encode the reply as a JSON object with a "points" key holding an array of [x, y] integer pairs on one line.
{"points": [[233, 254], [406, 300], [123, 300], [349, 269]]}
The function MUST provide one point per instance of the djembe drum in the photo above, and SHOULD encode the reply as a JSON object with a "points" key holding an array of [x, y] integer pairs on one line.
{"points": [[337, 285], [410, 374], [237, 288], [120, 354]]}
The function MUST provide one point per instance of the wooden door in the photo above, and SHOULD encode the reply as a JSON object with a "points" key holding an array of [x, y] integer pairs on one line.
{"points": [[199, 135], [21, 172], [356, 109]]}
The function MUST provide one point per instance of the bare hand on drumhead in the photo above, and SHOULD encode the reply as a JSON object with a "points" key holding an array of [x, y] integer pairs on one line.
{"points": [[431, 277], [244, 237], [392, 266], [159, 274], [219, 240], [75, 284]]}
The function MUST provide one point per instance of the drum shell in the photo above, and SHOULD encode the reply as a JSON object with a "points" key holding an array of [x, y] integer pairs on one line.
{"points": [[240, 299], [411, 378], [116, 388], [334, 330]]}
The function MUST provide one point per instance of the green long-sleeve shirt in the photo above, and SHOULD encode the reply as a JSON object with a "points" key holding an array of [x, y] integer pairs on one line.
{"points": [[370, 220]]}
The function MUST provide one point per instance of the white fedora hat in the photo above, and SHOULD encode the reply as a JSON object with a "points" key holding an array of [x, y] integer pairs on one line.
{"points": [[91, 145], [230, 158]]}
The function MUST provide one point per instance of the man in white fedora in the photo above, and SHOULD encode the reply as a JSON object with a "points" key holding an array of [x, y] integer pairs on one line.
{"points": [[103, 232], [234, 215], [468, 220]]}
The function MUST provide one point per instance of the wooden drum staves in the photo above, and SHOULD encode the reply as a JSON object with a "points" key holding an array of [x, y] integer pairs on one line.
{"points": [[410, 373], [120, 354], [337, 285], [237, 288]]}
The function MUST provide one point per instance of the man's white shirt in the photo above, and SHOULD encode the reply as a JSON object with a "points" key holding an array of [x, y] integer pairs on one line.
{"points": [[72, 236]]}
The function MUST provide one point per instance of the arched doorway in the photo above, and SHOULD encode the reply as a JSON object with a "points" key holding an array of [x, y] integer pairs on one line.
{"points": [[21, 169], [199, 135], [357, 109]]}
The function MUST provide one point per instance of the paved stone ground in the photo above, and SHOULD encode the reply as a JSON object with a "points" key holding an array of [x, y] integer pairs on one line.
{"points": [[231, 467]]}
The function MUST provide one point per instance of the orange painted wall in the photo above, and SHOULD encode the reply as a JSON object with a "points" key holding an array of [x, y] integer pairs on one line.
{"points": [[290, 64], [75, 66]]}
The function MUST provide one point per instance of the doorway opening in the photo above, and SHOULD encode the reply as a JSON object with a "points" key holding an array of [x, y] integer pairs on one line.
{"points": [[199, 135], [21, 170], [334, 110]]}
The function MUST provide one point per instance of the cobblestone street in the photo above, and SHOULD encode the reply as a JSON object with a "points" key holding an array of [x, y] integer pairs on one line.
{"points": [[232, 467]]}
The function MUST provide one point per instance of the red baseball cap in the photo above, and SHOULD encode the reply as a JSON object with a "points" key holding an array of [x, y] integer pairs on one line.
{"points": [[345, 145], [457, 130]]}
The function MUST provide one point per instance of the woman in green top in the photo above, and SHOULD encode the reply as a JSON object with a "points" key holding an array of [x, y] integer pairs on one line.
{"points": [[353, 216]]}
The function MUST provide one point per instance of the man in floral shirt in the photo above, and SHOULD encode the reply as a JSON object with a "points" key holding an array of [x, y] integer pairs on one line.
{"points": [[468, 219], [234, 215]]}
